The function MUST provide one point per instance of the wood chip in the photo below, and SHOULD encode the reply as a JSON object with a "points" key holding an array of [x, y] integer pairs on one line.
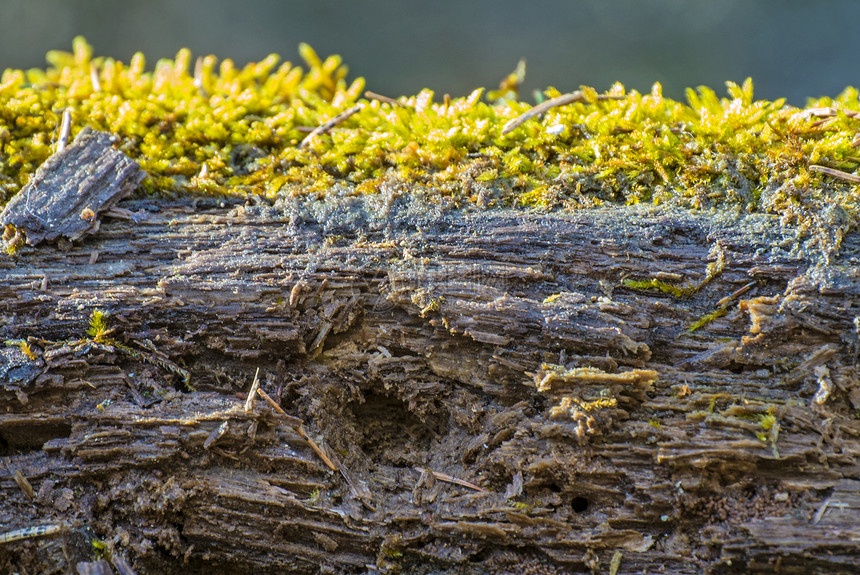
{"points": [[22, 482], [87, 177]]}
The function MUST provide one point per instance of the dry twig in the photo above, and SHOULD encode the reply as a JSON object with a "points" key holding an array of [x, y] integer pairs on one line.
{"points": [[451, 479], [249, 403], [300, 429], [374, 96], [543, 107], [65, 130], [735, 294], [30, 532], [835, 173], [340, 118]]}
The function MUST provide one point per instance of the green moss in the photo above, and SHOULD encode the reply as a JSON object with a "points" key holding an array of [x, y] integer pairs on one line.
{"points": [[98, 328], [713, 269], [654, 283], [210, 127], [708, 318]]}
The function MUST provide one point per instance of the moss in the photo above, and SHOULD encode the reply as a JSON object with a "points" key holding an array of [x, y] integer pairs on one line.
{"points": [[210, 127], [654, 283], [98, 328], [708, 318], [25, 347]]}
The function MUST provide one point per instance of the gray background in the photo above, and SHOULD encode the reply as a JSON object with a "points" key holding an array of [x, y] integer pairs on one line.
{"points": [[791, 48]]}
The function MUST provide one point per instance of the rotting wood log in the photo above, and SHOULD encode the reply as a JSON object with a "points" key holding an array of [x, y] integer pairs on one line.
{"points": [[423, 350]]}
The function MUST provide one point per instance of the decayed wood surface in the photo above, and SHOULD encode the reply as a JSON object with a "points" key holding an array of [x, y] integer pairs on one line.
{"points": [[410, 348]]}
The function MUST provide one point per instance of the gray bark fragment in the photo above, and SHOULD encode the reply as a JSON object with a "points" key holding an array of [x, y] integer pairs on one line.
{"points": [[72, 188]]}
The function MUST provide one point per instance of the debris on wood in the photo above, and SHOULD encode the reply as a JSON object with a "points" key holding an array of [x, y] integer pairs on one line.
{"points": [[255, 385], [329, 125], [451, 479], [595, 421], [543, 107]]}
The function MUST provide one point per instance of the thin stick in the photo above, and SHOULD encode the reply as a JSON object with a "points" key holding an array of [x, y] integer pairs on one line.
{"points": [[340, 118], [358, 489], [249, 403], [835, 173], [198, 77], [374, 96], [450, 479], [300, 429], [543, 107], [30, 532], [829, 112], [65, 130], [293, 421], [316, 449], [736, 294], [94, 77], [271, 402]]}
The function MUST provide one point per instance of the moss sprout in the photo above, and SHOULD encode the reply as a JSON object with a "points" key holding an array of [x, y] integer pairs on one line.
{"points": [[98, 328]]}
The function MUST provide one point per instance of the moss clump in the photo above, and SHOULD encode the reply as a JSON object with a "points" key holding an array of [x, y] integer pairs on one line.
{"points": [[98, 328], [210, 127]]}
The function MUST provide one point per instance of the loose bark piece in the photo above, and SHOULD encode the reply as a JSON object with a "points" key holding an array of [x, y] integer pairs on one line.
{"points": [[71, 188]]}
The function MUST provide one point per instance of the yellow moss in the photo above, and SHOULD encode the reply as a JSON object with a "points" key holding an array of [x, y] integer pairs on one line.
{"points": [[24, 346], [553, 377], [245, 125], [654, 283]]}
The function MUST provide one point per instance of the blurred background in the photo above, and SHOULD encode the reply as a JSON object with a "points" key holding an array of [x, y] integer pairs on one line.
{"points": [[791, 48]]}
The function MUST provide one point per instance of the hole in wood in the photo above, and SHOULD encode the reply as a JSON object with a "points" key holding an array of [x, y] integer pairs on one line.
{"points": [[579, 504], [389, 428], [29, 436]]}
